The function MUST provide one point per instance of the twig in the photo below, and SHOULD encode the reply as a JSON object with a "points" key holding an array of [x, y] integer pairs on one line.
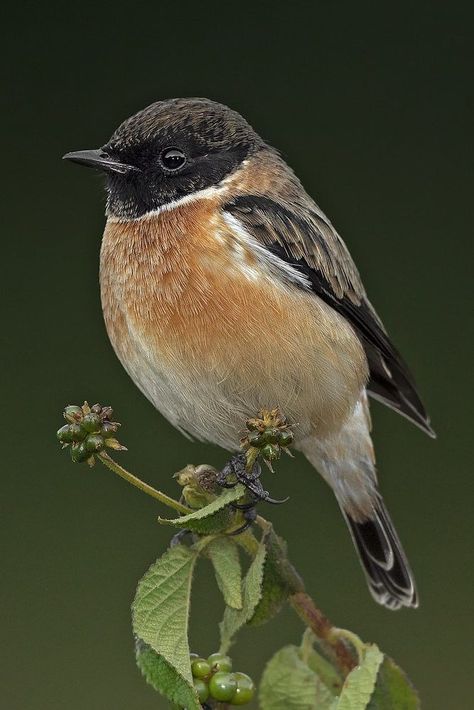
{"points": [[321, 627], [145, 487]]}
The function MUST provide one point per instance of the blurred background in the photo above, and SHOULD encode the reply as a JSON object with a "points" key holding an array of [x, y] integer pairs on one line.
{"points": [[370, 105]]}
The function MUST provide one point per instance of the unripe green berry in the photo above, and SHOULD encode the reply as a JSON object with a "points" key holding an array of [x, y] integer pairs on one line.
{"points": [[77, 432], [220, 662], [79, 453], [107, 429], [72, 413], [222, 686], [94, 442], [285, 437], [254, 438], [270, 452], [201, 689], [65, 434], [91, 422], [245, 689], [270, 435], [200, 668]]}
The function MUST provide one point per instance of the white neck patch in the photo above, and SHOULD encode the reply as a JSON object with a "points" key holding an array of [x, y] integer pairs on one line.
{"points": [[207, 194]]}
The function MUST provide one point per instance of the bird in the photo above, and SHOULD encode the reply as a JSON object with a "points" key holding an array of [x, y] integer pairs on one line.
{"points": [[225, 289]]}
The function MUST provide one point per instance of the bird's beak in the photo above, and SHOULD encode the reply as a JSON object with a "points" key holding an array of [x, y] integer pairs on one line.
{"points": [[99, 160]]}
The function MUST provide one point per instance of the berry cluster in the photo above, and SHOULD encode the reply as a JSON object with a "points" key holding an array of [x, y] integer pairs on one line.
{"points": [[214, 680], [268, 435], [89, 431]]}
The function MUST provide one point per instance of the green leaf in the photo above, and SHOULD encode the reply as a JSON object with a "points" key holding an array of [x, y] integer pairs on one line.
{"points": [[393, 690], [360, 683], [213, 518], [224, 556], [289, 684], [160, 618], [234, 619], [279, 580], [162, 676], [324, 669]]}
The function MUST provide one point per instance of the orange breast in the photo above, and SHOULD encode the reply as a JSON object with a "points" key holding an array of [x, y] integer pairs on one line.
{"points": [[184, 295]]}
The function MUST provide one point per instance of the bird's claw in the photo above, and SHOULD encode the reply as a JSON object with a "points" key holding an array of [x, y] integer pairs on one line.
{"points": [[249, 515], [234, 472]]}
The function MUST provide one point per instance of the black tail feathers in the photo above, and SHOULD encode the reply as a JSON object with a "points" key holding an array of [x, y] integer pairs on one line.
{"points": [[386, 567]]}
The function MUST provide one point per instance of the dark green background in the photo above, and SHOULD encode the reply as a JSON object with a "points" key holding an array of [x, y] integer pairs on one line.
{"points": [[369, 103]]}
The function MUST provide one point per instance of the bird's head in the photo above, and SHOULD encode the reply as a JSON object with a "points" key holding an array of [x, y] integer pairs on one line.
{"points": [[169, 151]]}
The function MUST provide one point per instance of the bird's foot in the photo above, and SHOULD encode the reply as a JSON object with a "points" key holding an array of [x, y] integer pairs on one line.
{"points": [[234, 472]]}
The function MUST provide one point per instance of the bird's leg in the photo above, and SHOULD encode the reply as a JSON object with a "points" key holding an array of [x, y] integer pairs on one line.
{"points": [[236, 470], [249, 515], [182, 537]]}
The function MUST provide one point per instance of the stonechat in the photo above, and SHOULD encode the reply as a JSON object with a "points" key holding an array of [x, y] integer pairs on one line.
{"points": [[225, 289]]}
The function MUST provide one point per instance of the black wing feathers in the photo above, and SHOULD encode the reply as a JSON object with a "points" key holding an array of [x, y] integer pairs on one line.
{"points": [[301, 236]]}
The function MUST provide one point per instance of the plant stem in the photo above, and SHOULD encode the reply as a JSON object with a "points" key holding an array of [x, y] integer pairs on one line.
{"points": [[145, 487], [321, 627]]}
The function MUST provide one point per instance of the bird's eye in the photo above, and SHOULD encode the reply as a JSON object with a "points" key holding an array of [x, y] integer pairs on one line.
{"points": [[172, 158]]}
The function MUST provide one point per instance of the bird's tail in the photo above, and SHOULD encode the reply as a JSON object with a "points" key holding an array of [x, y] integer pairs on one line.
{"points": [[384, 562]]}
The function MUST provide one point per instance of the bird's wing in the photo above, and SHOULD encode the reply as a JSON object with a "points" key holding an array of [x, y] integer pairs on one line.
{"points": [[302, 237]]}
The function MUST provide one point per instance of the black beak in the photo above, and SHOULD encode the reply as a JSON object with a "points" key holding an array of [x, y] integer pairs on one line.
{"points": [[99, 160]]}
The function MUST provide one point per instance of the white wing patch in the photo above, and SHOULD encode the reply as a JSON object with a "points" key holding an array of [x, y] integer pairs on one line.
{"points": [[266, 261]]}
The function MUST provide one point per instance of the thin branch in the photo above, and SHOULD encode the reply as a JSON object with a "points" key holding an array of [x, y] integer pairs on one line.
{"points": [[321, 627], [138, 483]]}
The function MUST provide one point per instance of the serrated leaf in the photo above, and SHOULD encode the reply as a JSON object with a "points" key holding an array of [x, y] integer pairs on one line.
{"points": [[289, 684], [161, 609], [278, 580], [393, 690], [251, 594], [213, 518], [224, 555], [163, 677], [360, 683]]}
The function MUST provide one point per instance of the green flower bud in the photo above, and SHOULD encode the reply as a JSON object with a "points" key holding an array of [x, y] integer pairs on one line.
{"points": [[270, 435], [94, 443], [91, 422], [90, 426], [77, 432], [108, 428], [72, 413], [65, 434], [79, 452], [245, 689], [222, 686], [285, 437], [255, 438], [270, 452]]}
